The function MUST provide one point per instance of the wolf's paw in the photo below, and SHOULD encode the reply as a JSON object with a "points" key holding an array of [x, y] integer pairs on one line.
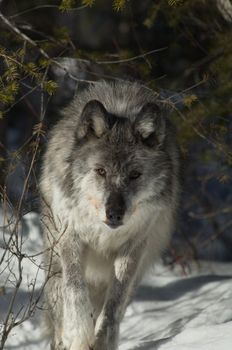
{"points": [[78, 331], [79, 342], [107, 339], [101, 343], [78, 345], [57, 345], [81, 337]]}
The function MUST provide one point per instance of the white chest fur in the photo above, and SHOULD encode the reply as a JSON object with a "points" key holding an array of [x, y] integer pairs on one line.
{"points": [[97, 267]]}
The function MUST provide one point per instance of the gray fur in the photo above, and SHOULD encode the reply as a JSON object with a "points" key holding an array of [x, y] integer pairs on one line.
{"points": [[110, 189]]}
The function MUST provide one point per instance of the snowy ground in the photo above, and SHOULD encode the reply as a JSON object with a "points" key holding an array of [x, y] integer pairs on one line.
{"points": [[169, 311]]}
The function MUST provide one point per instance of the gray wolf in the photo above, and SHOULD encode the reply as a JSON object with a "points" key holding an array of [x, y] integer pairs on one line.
{"points": [[110, 189]]}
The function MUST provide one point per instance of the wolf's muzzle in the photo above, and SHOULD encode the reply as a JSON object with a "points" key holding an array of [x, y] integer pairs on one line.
{"points": [[115, 210]]}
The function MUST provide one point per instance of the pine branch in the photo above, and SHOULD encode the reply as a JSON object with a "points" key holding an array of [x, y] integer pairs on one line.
{"points": [[27, 39], [21, 34]]}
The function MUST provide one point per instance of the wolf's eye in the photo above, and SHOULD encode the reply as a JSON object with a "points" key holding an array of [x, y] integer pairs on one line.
{"points": [[101, 172], [134, 175]]}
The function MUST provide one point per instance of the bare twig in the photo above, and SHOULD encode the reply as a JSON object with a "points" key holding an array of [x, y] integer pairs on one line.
{"points": [[41, 7], [217, 234], [212, 214], [21, 34], [134, 58]]}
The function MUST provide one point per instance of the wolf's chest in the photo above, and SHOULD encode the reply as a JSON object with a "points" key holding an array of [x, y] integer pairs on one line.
{"points": [[97, 268]]}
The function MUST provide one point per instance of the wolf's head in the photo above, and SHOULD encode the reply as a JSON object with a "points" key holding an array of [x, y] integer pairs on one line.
{"points": [[120, 164]]}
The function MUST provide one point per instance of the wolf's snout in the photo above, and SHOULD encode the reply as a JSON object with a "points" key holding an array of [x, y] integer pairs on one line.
{"points": [[115, 210], [114, 217]]}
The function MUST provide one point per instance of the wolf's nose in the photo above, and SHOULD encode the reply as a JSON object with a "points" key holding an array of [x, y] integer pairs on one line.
{"points": [[114, 217], [115, 209]]}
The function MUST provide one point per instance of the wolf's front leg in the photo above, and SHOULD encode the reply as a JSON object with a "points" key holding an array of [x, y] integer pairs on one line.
{"points": [[78, 324], [126, 266]]}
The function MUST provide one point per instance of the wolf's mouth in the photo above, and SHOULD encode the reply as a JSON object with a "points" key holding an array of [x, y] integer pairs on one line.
{"points": [[113, 225]]}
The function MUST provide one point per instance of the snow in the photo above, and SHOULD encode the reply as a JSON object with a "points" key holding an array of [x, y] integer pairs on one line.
{"points": [[170, 311]]}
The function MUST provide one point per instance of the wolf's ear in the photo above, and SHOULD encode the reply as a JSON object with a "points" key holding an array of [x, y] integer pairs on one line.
{"points": [[150, 125], [94, 119]]}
